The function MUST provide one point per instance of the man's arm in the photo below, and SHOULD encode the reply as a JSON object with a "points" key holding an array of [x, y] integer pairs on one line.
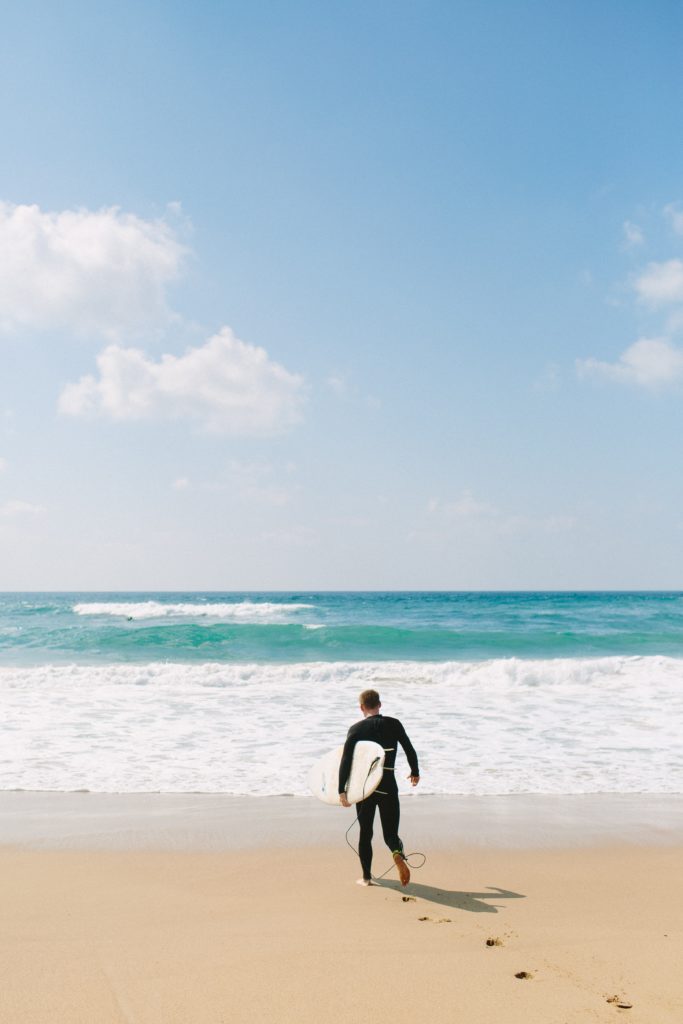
{"points": [[410, 753], [346, 760]]}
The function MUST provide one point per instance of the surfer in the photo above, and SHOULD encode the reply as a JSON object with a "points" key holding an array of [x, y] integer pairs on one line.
{"points": [[388, 732]]}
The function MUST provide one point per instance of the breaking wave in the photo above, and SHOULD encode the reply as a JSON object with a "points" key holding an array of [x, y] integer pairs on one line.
{"points": [[505, 725]]}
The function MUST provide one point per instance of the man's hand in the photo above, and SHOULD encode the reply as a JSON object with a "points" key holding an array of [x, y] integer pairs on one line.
{"points": [[343, 801], [413, 779]]}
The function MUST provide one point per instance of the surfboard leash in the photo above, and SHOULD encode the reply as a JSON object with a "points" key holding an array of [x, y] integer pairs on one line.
{"points": [[406, 856]]}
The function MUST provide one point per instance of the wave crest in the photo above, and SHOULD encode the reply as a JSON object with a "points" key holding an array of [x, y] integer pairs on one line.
{"points": [[243, 611]]}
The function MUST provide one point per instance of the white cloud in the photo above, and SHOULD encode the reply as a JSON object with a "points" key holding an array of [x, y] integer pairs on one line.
{"points": [[3, 464], [633, 234], [675, 215], [649, 362], [226, 385], [100, 272], [661, 283], [15, 509], [181, 484]]}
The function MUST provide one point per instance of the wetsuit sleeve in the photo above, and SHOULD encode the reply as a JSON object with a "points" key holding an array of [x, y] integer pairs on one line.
{"points": [[347, 758], [409, 750]]}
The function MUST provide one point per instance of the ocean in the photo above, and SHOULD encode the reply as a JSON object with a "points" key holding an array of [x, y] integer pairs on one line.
{"points": [[239, 693]]}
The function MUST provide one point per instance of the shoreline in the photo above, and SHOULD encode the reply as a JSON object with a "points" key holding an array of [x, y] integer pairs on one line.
{"points": [[195, 821]]}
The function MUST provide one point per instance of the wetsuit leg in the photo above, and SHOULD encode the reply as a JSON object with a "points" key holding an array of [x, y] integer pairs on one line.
{"points": [[366, 814], [390, 813]]}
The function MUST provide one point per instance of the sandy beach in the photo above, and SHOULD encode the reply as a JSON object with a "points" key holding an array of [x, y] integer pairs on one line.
{"points": [[175, 924]]}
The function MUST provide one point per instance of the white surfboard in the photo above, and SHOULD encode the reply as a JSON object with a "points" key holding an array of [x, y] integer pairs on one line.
{"points": [[366, 773]]}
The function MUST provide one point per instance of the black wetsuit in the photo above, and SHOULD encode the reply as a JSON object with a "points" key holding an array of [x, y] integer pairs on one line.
{"points": [[388, 732]]}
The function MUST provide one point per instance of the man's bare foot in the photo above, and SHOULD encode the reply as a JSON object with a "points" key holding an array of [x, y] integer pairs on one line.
{"points": [[403, 869], [363, 881]]}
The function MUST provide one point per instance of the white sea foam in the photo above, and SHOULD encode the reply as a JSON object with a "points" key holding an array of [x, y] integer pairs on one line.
{"points": [[504, 726], [242, 611]]}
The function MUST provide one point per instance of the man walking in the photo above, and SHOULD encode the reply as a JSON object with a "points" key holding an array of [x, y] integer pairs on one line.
{"points": [[388, 732]]}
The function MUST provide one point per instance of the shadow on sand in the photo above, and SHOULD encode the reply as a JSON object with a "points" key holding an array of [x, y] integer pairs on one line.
{"points": [[471, 901]]}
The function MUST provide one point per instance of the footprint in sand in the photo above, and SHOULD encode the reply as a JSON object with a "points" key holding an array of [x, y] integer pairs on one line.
{"points": [[441, 920], [407, 899], [495, 941], [620, 1002], [525, 975]]}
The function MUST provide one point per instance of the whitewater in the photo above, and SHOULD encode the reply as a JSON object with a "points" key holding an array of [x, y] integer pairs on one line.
{"points": [[240, 693]]}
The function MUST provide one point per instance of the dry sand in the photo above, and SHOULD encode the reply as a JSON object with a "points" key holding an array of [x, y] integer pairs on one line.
{"points": [[283, 934]]}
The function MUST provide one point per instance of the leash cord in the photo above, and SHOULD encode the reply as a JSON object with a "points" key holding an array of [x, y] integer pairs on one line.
{"points": [[406, 856]]}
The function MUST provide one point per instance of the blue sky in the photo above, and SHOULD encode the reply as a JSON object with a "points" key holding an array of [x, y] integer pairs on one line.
{"points": [[361, 295]]}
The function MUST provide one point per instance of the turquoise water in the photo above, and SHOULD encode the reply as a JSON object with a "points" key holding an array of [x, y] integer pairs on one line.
{"points": [[242, 692], [89, 628]]}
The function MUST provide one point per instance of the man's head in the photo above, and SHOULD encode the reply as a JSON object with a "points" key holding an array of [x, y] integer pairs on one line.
{"points": [[370, 702]]}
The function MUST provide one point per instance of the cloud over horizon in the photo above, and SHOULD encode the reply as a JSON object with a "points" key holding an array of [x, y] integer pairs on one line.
{"points": [[101, 272], [226, 385]]}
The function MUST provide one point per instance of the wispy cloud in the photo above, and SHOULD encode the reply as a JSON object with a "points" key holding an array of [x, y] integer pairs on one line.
{"points": [[464, 507], [548, 379], [256, 482], [650, 362], [101, 272], [632, 234], [674, 213], [15, 509], [343, 387], [225, 385], [338, 384], [294, 536], [470, 513]]}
